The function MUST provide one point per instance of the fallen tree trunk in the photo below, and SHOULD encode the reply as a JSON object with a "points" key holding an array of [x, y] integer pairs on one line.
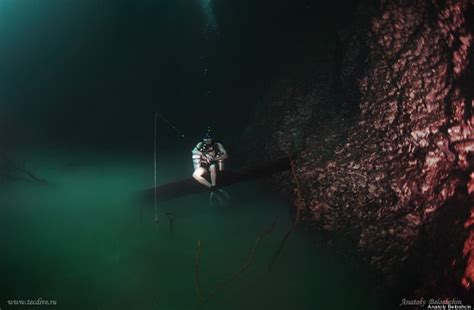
{"points": [[11, 170], [225, 178]]}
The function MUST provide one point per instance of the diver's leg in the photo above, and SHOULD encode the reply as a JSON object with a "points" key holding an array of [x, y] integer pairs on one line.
{"points": [[197, 175], [212, 170], [221, 165]]}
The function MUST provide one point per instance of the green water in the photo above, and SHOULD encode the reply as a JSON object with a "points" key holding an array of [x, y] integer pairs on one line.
{"points": [[79, 241]]}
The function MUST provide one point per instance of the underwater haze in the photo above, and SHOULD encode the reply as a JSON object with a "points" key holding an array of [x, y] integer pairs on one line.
{"points": [[79, 85], [79, 241]]}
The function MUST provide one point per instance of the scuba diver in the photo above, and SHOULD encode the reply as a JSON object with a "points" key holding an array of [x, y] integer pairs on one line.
{"points": [[208, 157]]}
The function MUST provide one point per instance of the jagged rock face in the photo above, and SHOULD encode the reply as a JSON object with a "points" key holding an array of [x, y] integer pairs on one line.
{"points": [[401, 186], [301, 101]]}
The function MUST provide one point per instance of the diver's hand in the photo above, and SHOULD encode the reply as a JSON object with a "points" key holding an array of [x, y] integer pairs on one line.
{"points": [[208, 158], [221, 156]]}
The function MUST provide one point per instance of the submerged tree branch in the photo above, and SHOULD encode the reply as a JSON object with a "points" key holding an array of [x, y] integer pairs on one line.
{"points": [[9, 168], [237, 274], [171, 218], [299, 205], [197, 265]]}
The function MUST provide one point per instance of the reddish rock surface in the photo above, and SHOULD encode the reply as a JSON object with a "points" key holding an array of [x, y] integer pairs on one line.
{"points": [[400, 186]]}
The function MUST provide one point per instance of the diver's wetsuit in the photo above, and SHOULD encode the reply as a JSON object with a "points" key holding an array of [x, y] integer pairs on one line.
{"points": [[209, 156], [213, 150]]}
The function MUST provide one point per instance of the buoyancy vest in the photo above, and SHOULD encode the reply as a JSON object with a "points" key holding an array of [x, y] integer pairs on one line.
{"points": [[212, 149]]}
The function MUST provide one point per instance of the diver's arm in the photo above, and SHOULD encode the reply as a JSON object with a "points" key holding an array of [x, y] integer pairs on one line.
{"points": [[223, 153], [196, 149], [197, 156]]}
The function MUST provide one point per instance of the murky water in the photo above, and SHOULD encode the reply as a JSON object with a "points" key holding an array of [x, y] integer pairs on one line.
{"points": [[79, 241]]}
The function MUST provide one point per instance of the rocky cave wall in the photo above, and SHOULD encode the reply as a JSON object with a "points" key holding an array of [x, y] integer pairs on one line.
{"points": [[397, 180]]}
